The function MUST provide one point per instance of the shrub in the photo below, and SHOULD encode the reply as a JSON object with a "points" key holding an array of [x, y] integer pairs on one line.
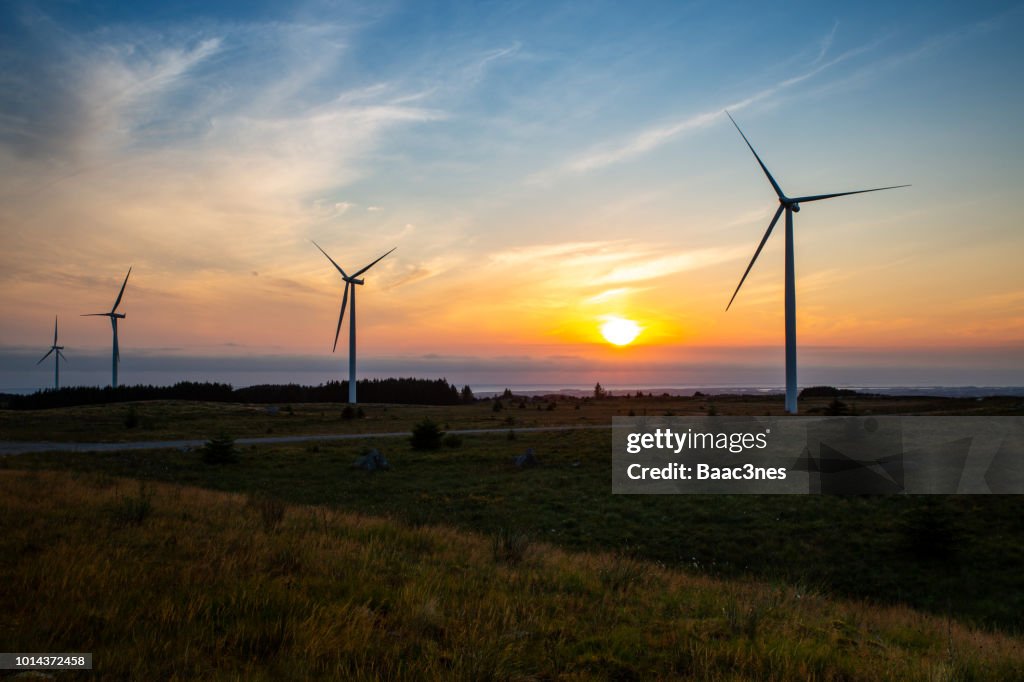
{"points": [[836, 408], [131, 418], [452, 440], [220, 450], [426, 435], [497, 407], [348, 413]]}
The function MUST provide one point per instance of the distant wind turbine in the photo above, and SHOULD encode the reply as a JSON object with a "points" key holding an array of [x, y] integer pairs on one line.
{"points": [[57, 356], [791, 206], [350, 290], [114, 317]]}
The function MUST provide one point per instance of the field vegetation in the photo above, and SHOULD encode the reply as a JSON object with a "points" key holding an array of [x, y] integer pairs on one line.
{"points": [[171, 420], [283, 561], [958, 555], [216, 586]]}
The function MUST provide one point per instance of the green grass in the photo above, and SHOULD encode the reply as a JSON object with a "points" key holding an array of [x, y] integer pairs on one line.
{"points": [[956, 555], [170, 420], [201, 588]]}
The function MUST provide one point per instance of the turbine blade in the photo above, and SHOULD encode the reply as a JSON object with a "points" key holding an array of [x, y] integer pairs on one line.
{"points": [[819, 197], [45, 356], [121, 293], [95, 315], [60, 354], [55, 330], [372, 264], [775, 185], [756, 254], [344, 302], [330, 259]]}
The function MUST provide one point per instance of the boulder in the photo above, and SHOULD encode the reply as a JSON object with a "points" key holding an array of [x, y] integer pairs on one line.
{"points": [[526, 459], [372, 461]]}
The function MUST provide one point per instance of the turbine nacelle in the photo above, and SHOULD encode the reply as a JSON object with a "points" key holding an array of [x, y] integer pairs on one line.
{"points": [[352, 280]]}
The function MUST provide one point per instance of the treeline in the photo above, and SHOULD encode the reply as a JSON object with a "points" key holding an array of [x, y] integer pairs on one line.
{"points": [[406, 391]]}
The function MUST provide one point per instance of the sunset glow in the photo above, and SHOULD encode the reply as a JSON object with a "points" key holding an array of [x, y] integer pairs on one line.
{"points": [[620, 332], [532, 175]]}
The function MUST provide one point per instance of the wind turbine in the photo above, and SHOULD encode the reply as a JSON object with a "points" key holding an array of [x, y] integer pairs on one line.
{"points": [[790, 206], [351, 281], [114, 317], [57, 356]]}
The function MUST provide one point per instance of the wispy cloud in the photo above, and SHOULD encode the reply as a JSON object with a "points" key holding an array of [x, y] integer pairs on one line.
{"points": [[826, 43], [653, 137], [653, 267], [603, 263]]}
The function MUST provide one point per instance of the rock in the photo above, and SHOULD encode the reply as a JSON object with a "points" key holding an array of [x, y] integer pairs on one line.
{"points": [[372, 461], [526, 459]]}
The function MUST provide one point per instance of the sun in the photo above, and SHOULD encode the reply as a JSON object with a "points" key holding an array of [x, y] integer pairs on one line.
{"points": [[619, 331]]}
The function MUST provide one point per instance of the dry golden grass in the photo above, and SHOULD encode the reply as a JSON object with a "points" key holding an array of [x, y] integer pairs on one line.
{"points": [[200, 586]]}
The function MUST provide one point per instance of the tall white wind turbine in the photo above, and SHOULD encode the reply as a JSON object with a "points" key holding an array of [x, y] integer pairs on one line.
{"points": [[114, 317], [790, 206], [57, 356], [351, 281]]}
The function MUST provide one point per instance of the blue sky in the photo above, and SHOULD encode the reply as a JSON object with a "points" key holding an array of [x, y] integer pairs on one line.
{"points": [[540, 166]]}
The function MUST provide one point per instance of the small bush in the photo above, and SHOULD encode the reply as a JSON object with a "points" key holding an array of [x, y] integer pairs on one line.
{"points": [[426, 436], [348, 413], [452, 440], [220, 450], [511, 435], [836, 408], [131, 418], [497, 407]]}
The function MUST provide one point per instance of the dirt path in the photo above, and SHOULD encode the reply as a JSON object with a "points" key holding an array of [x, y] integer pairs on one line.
{"points": [[21, 447]]}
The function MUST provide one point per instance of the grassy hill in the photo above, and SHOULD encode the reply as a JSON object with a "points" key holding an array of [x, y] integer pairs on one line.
{"points": [[958, 555], [165, 581]]}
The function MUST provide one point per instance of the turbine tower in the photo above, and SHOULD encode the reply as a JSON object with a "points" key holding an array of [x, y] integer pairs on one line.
{"points": [[57, 356], [114, 317], [790, 206], [351, 281]]}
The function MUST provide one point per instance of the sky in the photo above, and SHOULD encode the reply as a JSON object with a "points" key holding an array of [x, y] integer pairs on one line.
{"points": [[541, 167]]}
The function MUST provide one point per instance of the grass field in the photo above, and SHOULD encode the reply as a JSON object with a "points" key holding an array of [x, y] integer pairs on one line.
{"points": [[476, 569], [170, 420], [173, 582]]}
